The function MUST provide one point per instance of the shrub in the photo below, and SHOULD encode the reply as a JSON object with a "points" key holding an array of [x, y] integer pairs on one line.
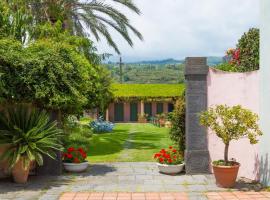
{"points": [[101, 126], [72, 155], [169, 156], [231, 123], [249, 50], [52, 74], [177, 117], [229, 67], [77, 135]]}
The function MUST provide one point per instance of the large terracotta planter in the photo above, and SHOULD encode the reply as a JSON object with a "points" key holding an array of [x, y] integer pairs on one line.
{"points": [[19, 173], [170, 169], [226, 175]]}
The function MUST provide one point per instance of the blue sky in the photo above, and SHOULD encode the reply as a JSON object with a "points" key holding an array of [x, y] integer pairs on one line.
{"points": [[180, 28]]}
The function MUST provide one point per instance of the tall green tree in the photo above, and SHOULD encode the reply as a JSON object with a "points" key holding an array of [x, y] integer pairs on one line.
{"points": [[84, 18]]}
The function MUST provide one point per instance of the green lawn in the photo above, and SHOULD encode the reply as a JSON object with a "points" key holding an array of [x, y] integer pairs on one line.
{"points": [[127, 143]]}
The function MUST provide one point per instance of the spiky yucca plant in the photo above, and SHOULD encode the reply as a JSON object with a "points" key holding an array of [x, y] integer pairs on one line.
{"points": [[29, 134]]}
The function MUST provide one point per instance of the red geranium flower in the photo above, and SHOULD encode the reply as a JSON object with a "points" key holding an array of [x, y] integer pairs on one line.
{"points": [[170, 147], [81, 150], [157, 155], [70, 149], [161, 160], [69, 155], [174, 151], [84, 155], [76, 160]]}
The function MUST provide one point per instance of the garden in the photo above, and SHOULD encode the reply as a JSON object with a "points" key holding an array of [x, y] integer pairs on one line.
{"points": [[51, 73]]}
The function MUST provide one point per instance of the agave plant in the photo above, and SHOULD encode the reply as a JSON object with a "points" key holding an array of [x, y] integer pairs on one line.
{"points": [[29, 134]]}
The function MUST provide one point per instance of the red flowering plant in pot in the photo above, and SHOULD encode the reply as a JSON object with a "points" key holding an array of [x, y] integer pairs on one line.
{"points": [[74, 159], [169, 161]]}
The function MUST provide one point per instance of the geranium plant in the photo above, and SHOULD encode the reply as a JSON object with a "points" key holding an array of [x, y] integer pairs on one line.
{"points": [[169, 156], [73, 155]]}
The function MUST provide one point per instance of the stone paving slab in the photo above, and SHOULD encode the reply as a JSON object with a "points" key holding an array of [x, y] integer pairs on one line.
{"points": [[112, 177]]}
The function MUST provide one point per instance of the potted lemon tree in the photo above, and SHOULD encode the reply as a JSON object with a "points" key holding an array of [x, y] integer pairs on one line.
{"points": [[230, 123]]}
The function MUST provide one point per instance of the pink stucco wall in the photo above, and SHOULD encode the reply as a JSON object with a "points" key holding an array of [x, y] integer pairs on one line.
{"points": [[233, 89]]}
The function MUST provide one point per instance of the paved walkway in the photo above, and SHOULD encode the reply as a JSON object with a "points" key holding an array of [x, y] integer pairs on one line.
{"points": [[115, 177], [165, 196]]}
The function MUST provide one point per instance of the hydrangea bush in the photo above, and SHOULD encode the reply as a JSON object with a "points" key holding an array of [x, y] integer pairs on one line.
{"points": [[101, 126]]}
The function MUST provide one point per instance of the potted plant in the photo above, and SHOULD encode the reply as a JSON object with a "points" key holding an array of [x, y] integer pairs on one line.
{"points": [[169, 161], [230, 123], [142, 118], [162, 119], [29, 134], [74, 160]]}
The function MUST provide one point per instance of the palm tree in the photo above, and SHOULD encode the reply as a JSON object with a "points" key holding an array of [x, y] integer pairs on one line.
{"points": [[86, 17]]}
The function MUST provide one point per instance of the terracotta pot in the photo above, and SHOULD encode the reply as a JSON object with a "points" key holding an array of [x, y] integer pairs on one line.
{"points": [[162, 122], [226, 175], [19, 173]]}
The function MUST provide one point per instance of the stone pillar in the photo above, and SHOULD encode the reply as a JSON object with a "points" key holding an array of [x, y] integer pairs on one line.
{"points": [[142, 107], [264, 151], [107, 114], [165, 107], [111, 112], [126, 112], [197, 154]]}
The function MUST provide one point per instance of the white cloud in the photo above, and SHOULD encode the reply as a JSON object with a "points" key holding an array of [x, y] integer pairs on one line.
{"points": [[180, 28]]}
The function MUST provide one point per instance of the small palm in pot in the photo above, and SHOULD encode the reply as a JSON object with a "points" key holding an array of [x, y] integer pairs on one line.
{"points": [[29, 135]]}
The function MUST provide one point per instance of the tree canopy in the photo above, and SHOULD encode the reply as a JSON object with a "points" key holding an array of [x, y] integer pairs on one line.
{"points": [[81, 18], [51, 74]]}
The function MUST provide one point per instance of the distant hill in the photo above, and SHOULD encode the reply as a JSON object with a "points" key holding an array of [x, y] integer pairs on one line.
{"points": [[159, 62], [212, 60]]}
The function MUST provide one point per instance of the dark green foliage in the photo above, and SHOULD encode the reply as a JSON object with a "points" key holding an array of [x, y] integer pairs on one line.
{"points": [[52, 74], [177, 117], [249, 46], [79, 135], [29, 134]]}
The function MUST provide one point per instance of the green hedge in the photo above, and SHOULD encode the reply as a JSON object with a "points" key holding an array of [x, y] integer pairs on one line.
{"points": [[147, 91]]}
